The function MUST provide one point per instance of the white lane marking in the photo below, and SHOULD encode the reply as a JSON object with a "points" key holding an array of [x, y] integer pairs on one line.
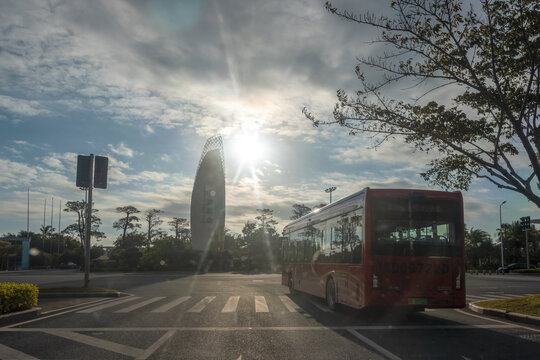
{"points": [[198, 307], [502, 296], [108, 305], [257, 280], [430, 310], [478, 297], [170, 305], [148, 352], [231, 304], [260, 304], [374, 345], [8, 353], [140, 305], [276, 328], [53, 315], [289, 304], [497, 321], [79, 305], [99, 343], [321, 306]]}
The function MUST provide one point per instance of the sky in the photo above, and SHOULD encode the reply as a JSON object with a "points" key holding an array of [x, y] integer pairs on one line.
{"points": [[145, 83]]}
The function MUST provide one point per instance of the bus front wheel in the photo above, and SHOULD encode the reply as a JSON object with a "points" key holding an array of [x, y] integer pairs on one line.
{"points": [[331, 294], [291, 284]]}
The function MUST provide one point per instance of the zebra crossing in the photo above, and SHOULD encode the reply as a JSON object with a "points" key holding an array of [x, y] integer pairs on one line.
{"points": [[492, 296], [258, 304], [192, 304]]}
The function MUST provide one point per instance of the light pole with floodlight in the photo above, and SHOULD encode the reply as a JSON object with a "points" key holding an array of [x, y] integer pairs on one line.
{"points": [[330, 190], [500, 235]]}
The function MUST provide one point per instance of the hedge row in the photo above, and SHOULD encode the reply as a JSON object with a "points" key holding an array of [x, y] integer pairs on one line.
{"points": [[16, 297], [528, 271]]}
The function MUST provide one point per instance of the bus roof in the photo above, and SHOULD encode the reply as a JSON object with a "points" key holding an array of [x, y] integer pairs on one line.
{"points": [[327, 211], [350, 203]]}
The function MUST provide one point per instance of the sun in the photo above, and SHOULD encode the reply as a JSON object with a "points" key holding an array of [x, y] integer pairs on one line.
{"points": [[249, 148]]}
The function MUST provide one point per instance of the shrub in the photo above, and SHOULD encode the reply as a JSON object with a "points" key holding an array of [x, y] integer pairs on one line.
{"points": [[528, 271], [16, 297]]}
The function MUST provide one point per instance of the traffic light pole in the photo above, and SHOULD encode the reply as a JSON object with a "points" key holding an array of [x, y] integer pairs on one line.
{"points": [[88, 223], [527, 246]]}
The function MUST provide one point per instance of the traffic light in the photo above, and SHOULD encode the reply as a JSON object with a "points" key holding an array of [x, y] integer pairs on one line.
{"points": [[525, 223]]}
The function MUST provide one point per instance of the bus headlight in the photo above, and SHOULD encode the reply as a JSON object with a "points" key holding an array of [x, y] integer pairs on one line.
{"points": [[375, 281], [458, 282]]}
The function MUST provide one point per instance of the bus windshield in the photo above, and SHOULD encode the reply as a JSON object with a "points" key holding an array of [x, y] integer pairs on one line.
{"points": [[416, 226]]}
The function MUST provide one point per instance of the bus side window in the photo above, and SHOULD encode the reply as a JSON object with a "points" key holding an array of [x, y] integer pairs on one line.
{"points": [[357, 241]]}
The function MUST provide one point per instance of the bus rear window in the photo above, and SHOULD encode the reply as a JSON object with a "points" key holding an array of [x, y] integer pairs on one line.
{"points": [[416, 226]]}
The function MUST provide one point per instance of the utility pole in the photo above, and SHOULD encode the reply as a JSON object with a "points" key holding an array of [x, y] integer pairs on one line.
{"points": [[330, 190]]}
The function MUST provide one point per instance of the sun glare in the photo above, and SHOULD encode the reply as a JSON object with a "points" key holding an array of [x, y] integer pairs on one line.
{"points": [[249, 148]]}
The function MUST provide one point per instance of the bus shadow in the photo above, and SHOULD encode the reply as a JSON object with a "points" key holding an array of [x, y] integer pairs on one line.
{"points": [[445, 334]]}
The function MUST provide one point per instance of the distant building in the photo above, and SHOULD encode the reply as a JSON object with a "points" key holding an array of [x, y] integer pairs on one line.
{"points": [[16, 262], [208, 198]]}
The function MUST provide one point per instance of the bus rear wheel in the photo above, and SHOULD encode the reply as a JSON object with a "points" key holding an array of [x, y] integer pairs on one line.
{"points": [[331, 294]]}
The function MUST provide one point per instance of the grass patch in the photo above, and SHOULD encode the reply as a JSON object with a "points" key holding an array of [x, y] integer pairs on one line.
{"points": [[527, 305], [75, 289]]}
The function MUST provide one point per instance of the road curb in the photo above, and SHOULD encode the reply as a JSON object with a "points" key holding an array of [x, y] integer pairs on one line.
{"points": [[521, 318], [81, 295], [19, 316]]}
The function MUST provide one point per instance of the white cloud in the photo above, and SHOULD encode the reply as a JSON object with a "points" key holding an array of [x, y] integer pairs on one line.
{"points": [[14, 174], [22, 106], [123, 150]]}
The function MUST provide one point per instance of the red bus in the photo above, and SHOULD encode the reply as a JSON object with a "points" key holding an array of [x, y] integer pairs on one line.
{"points": [[380, 248]]}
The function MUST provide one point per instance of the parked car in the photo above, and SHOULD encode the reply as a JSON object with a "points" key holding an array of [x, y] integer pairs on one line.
{"points": [[69, 265], [512, 267]]}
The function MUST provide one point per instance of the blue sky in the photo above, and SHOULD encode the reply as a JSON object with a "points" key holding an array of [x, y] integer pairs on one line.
{"points": [[146, 82]]}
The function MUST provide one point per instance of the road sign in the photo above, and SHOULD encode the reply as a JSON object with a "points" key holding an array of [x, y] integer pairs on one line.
{"points": [[100, 172], [83, 171]]}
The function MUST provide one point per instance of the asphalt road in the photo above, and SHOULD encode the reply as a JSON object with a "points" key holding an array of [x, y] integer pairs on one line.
{"points": [[235, 316]]}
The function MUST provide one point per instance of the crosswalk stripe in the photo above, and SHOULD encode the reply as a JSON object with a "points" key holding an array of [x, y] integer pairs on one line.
{"points": [[198, 307], [140, 305], [321, 306], [260, 304], [231, 304], [108, 305], [289, 304], [171, 304]]}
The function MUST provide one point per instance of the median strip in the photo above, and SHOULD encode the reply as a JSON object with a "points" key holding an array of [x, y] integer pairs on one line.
{"points": [[524, 309]]}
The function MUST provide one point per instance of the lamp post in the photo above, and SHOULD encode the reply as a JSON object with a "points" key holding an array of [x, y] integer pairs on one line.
{"points": [[500, 235], [330, 190]]}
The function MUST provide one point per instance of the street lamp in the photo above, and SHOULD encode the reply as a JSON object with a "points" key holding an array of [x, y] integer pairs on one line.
{"points": [[329, 190], [500, 235]]}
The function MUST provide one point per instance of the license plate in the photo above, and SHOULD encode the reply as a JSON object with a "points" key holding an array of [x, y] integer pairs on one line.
{"points": [[417, 301]]}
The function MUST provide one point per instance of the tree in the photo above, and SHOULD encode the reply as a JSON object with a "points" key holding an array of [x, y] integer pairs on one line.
{"points": [[46, 230], [480, 250], [266, 220], [152, 221], [180, 227], [78, 228], [299, 210], [489, 58], [130, 221]]}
